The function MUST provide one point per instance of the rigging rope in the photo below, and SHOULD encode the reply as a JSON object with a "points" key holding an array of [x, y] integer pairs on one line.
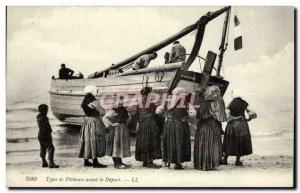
{"points": [[200, 63], [228, 27], [194, 78], [147, 79], [227, 39]]}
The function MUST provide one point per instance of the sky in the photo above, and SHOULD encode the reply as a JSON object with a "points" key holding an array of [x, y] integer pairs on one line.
{"points": [[88, 39]]}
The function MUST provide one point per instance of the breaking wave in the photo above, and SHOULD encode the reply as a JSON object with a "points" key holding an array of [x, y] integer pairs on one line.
{"points": [[30, 109], [270, 133]]}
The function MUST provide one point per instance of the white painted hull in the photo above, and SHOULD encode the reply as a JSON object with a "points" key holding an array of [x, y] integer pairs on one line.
{"points": [[66, 95]]}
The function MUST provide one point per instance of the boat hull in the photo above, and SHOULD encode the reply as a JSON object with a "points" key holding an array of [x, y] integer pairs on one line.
{"points": [[66, 95]]}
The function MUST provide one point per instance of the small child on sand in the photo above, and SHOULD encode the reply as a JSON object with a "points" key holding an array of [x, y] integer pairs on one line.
{"points": [[45, 137]]}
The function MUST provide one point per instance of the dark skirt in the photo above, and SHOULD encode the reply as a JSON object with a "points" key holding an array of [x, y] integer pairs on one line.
{"points": [[118, 142], [92, 138], [176, 142], [237, 138], [208, 145], [148, 146]]}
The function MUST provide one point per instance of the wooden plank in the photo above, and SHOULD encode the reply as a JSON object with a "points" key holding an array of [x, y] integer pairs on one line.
{"points": [[109, 90], [207, 70], [202, 22], [108, 87], [188, 86], [110, 81], [162, 68]]}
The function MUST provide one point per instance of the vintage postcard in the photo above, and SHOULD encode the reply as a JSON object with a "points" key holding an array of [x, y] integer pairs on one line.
{"points": [[150, 97]]}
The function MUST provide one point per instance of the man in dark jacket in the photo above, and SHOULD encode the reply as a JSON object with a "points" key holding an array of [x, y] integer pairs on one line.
{"points": [[178, 53], [45, 137], [65, 73]]}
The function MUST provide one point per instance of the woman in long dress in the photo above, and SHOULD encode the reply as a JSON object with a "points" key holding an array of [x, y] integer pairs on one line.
{"points": [[237, 138], [208, 141], [92, 137], [118, 142], [148, 145], [176, 133]]}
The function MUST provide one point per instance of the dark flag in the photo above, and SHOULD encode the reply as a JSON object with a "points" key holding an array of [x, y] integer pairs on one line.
{"points": [[236, 21], [238, 41]]}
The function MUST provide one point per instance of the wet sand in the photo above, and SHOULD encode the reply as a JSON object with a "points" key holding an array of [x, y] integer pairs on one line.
{"points": [[258, 171], [265, 168]]}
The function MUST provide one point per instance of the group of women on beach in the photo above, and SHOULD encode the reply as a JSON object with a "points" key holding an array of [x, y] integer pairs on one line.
{"points": [[173, 145]]}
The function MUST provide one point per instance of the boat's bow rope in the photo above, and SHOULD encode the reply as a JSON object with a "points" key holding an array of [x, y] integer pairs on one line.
{"points": [[147, 80]]}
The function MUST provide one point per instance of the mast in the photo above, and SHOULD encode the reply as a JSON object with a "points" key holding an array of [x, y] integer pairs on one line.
{"points": [[223, 46], [208, 17]]}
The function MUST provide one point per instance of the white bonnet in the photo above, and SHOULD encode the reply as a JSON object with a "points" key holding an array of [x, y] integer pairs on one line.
{"points": [[160, 109], [110, 113], [91, 89], [178, 90]]}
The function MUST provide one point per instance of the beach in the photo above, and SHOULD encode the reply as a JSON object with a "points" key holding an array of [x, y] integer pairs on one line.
{"points": [[271, 164]]}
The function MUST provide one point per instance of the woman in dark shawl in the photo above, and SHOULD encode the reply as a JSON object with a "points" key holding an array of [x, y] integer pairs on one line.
{"points": [[92, 137], [208, 142], [148, 146], [237, 138], [118, 141], [176, 133]]}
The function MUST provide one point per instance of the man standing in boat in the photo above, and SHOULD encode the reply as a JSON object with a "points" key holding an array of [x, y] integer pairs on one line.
{"points": [[65, 73], [178, 53], [143, 61]]}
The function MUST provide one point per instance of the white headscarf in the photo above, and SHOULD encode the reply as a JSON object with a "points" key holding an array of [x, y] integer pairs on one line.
{"points": [[217, 105], [177, 94], [91, 89], [178, 90], [106, 118]]}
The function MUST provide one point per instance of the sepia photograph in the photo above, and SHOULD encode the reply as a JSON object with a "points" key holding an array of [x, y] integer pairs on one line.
{"points": [[150, 97]]}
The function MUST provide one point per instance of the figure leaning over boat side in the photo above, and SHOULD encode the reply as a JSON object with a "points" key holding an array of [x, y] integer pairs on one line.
{"points": [[176, 134], [177, 53], [208, 141], [167, 57], [237, 138], [143, 61], [92, 137], [148, 145], [118, 142]]}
